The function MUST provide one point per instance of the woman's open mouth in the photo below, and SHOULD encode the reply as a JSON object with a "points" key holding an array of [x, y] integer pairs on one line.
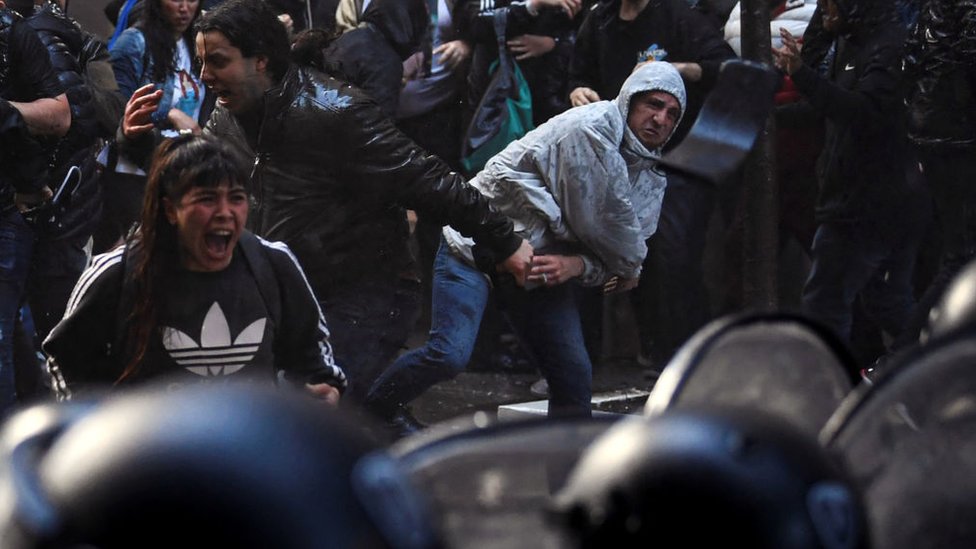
{"points": [[218, 242]]}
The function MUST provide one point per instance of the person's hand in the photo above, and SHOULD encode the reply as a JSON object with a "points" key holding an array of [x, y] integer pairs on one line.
{"points": [[519, 263], [137, 119], [453, 53], [528, 46], [583, 96], [552, 270], [618, 285], [569, 7], [182, 121], [287, 22], [787, 58], [26, 201], [325, 392], [690, 72]]}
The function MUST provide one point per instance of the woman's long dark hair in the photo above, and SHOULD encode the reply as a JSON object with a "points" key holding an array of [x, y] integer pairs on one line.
{"points": [[178, 165], [159, 39]]}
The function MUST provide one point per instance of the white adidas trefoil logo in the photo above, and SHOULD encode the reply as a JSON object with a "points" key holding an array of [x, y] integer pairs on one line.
{"points": [[216, 355]]}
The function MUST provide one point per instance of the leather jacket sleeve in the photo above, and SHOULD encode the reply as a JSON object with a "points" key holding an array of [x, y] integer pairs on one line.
{"points": [[387, 162]]}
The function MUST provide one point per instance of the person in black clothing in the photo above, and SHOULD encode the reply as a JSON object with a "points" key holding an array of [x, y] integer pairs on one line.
{"points": [[671, 300], [940, 63], [370, 56], [61, 230], [192, 296], [538, 34], [59, 254], [870, 219], [322, 12], [33, 104], [332, 177]]}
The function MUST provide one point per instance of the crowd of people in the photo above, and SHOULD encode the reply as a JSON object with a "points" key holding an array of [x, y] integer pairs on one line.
{"points": [[226, 189]]}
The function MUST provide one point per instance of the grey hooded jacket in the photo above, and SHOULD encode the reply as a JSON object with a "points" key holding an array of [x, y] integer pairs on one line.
{"points": [[582, 183]]}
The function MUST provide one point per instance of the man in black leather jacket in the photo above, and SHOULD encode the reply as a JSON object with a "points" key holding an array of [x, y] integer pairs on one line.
{"points": [[331, 178], [59, 252], [62, 230], [33, 104]]}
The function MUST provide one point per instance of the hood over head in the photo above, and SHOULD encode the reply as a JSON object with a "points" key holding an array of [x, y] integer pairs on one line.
{"points": [[656, 76], [403, 23]]}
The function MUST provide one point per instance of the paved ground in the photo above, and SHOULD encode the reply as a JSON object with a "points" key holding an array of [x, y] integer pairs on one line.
{"points": [[486, 390], [486, 385], [489, 383]]}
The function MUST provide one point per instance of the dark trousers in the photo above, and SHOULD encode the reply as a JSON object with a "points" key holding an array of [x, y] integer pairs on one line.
{"points": [[671, 300], [949, 175], [55, 267], [16, 245], [858, 258], [369, 323]]}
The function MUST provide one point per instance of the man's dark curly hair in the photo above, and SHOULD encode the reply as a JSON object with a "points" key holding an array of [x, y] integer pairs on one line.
{"points": [[252, 27]]}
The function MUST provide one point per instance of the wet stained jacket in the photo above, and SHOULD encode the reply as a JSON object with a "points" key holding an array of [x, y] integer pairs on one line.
{"points": [[941, 64], [583, 184], [861, 167], [371, 56], [332, 178]]}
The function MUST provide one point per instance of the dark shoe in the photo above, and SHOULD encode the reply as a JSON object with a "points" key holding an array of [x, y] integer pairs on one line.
{"points": [[403, 424]]}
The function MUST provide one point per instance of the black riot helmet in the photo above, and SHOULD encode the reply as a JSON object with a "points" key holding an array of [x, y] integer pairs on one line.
{"points": [[956, 309], [694, 479], [201, 467]]}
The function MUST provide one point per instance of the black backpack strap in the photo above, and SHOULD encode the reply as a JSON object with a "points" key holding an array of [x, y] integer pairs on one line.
{"points": [[257, 259]]}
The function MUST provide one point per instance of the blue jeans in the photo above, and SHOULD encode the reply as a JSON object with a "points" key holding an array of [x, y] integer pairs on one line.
{"points": [[547, 319], [16, 243]]}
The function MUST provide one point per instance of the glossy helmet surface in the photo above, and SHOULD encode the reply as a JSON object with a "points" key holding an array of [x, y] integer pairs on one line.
{"points": [[697, 479], [201, 467]]}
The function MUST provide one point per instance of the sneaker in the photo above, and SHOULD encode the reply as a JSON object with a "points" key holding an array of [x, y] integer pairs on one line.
{"points": [[403, 424], [540, 388]]}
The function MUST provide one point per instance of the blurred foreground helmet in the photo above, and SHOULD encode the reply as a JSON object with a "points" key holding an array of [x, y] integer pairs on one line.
{"points": [[956, 310], [202, 467], [703, 480]]}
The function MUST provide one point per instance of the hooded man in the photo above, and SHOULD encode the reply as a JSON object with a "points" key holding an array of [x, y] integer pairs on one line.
{"points": [[584, 191]]}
